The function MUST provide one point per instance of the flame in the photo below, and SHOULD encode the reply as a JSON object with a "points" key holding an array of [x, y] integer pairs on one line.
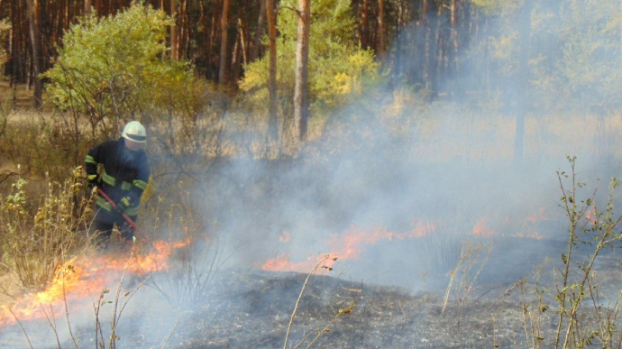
{"points": [[347, 246], [351, 243], [537, 216], [482, 228], [285, 237], [82, 279]]}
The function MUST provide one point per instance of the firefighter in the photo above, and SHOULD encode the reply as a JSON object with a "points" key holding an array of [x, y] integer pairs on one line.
{"points": [[124, 176]]}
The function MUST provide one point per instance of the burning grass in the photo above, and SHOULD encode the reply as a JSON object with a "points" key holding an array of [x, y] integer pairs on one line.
{"points": [[80, 280]]}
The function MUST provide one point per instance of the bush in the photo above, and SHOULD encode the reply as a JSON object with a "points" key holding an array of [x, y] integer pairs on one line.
{"points": [[35, 236], [118, 66]]}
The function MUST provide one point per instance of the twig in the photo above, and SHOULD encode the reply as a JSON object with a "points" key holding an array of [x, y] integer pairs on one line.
{"points": [[291, 320], [52, 323], [171, 334], [115, 319], [22, 327], [73, 339]]}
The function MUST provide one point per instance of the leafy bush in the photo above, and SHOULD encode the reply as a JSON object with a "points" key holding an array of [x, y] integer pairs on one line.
{"points": [[118, 66]]}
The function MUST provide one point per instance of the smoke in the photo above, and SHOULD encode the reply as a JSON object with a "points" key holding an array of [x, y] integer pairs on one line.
{"points": [[395, 159], [434, 172]]}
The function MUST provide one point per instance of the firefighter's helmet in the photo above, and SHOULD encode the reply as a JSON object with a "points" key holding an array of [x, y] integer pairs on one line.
{"points": [[135, 132]]}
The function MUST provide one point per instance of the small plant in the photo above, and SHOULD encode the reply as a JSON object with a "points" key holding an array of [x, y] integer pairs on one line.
{"points": [[35, 236], [118, 303], [599, 229], [321, 264], [471, 256]]}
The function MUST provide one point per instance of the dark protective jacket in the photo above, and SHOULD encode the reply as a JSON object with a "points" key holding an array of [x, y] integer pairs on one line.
{"points": [[124, 173]]}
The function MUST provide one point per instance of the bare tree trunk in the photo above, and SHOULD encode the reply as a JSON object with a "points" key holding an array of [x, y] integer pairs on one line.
{"points": [[453, 55], [259, 32], [381, 44], [35, 40], [87, 7], [523, 81], [364, 36], [224, 36], [301, 88], [173, 30], [98, 7], [272, 106]]}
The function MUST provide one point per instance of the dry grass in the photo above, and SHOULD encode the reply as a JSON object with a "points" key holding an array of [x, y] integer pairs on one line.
{"points": [[36, 232]]}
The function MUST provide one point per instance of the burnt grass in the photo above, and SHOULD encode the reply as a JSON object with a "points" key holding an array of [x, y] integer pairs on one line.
{"points": [[252, 309], [248, 308]]}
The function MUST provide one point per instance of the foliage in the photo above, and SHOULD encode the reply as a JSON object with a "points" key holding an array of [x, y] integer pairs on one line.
{"points": [[338, 69], [593, 226], [5, 27], [118, 66], [590, 67], [34, 242]]}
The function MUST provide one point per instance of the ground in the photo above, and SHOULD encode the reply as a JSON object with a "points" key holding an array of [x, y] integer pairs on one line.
{"points": [[246, 308]]}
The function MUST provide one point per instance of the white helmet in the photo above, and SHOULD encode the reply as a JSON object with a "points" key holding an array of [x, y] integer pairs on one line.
{"points": [[135, 132]]}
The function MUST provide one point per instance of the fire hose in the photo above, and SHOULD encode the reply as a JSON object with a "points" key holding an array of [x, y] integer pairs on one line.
{"points": [[125, 217]]}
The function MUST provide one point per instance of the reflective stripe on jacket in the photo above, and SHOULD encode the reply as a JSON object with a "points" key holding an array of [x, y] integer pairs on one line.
{"points": [[124, 173]]}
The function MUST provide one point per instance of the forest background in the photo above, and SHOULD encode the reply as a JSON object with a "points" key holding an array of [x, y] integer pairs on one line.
{"points": [[279, 84]]}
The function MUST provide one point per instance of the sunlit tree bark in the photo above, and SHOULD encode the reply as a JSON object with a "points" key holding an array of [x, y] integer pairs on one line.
{"points": [[301, 103], [35, 41], [259, 31], [381, 38], [523, 80], [272, 88], [224, 38]]}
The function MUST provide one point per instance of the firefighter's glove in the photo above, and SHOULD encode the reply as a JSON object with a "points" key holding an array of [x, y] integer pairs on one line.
{"points": [[123, 205], [93, 182]]}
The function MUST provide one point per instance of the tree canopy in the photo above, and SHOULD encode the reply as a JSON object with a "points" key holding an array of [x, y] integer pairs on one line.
{"points": [[118, 65], [339, 66]]}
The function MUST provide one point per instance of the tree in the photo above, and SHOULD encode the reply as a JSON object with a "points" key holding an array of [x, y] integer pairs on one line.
{"points": [[174, 41], [339, 68], [301, 88], [224, 38], [118, 67], [523, 80], [5, 27], [381, 40], [35, 41], [272, 88]]}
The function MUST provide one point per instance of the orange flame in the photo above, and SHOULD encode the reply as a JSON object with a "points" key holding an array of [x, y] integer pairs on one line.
{"points": [[482, 228], [347, 245], [84, 278], [350, 244], [538, 216]]}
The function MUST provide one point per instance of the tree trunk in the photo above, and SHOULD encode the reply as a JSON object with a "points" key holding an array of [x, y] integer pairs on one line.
{"points": [[173, 30], [35, 40], [259, 31], [272, 106], [301, 88], [98, 7], [381, 44], [364, 28], [87, 7], [523, 81], [224, 34], [453, 51]]}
